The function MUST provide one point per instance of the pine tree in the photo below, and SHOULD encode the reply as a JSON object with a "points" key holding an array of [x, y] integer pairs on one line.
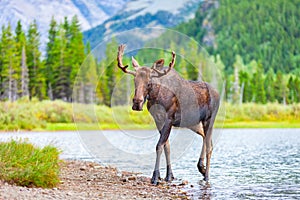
{"points": [[245, 78], [193, 64], [24, 75], [35, 66], [90, 66], [236, 85], [279, 88], [61, 90], [291, 96], [51, 58], [75, 49], [20, 39], [111, 71], [258, 85], [9, 71], [182, 64], [297, 89], [269, 86]]}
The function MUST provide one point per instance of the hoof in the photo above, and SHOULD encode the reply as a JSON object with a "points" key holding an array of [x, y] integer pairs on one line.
{"points": [[169, 177], [201, 169], [206, 178], [155, 177]]}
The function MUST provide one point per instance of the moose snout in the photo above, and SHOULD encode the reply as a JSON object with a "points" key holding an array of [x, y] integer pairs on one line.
{"points": [[137, 104]]}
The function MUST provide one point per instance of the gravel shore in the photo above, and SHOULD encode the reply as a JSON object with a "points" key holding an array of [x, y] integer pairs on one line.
{"points": [[87, 180]]}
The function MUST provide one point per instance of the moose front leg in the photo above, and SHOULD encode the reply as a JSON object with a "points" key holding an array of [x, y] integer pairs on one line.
{"points": [[169, 176], [164, 135]]}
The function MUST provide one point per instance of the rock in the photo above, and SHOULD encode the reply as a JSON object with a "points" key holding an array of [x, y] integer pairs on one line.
{"points": [[132, 178], [143, 193], [124, 179], [82, 168], [184, 182]]}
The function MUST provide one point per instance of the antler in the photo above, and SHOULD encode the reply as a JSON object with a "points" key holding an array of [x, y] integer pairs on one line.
{"points": [[119, 58], [171, 65]]}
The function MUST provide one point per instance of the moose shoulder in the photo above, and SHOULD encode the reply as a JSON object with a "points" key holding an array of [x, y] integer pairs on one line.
{"points": [[174, 101]]}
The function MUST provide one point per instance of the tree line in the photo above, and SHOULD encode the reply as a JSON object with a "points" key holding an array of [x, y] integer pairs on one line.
{"points": [[26, 73], [263, 34]]}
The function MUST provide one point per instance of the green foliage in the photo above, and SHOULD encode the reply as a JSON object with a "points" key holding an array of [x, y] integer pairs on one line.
{"points": [[258, 30], [23, 164], [272, 112], [265, 35], [9, 66], [35, 66]]}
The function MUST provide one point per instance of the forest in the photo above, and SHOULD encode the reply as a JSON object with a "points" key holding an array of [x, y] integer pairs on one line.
{"points": [[253, 44]]}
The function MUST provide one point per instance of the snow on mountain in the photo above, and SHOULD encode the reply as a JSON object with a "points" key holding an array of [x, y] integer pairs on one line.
{"points": [[142, 14]]}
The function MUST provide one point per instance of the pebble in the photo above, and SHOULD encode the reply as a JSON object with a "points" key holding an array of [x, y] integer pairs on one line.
{"points": [[143, 193], [75, 185], [82, 168], [184, 182], [132, 178]]}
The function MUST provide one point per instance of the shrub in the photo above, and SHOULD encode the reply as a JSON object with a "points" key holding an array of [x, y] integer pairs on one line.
{"points": [[25, 165]]}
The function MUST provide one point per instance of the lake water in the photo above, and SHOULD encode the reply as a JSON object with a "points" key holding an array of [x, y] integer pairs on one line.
{"points": [[246, 163]]}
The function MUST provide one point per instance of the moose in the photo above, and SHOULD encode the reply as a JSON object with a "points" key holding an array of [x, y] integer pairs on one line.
{"points": [[174, 101]]}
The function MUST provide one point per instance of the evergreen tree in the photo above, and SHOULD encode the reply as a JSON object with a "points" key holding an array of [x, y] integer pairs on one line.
{"points": [[236, 85], [111, 71], [51, 58], [182, 64], [258, 83], [10, 67], [193, 63], [297, 89], [62, 81], [20, 40], [90, 66], [269, 85], [24, 75], [75, 49], [291, 90], [245, 78], [279, 88], [35, 66]]}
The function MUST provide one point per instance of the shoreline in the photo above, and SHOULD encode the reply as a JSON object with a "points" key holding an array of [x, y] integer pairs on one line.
{"points": [[89, 180]]}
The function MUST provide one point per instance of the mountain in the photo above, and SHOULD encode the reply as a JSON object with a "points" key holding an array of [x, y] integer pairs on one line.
{"points": [[89, 12], [261, 31], [142, 14]]}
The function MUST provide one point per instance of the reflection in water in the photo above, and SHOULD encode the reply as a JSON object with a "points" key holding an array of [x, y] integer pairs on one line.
{"points": [[204, 190], [246, 163]]}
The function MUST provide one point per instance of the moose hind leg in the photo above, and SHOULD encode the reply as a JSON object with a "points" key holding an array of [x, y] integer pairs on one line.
{"points": [[169, 176], [200, 164], [199, 130], [208, 143]]}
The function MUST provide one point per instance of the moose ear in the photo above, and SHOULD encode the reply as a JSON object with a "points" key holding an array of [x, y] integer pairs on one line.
{"points": [[134, 62], [159, 64]]}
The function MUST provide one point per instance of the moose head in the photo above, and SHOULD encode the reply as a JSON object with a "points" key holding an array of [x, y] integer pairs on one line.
{"points": [[143, 76]]}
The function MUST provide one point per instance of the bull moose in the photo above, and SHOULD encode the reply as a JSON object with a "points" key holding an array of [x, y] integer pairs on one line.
{"points": [[174, 101]]}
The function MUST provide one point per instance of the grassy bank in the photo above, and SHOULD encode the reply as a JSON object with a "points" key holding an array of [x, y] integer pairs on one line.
{"points": [[58, 115], [23, 164]]}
